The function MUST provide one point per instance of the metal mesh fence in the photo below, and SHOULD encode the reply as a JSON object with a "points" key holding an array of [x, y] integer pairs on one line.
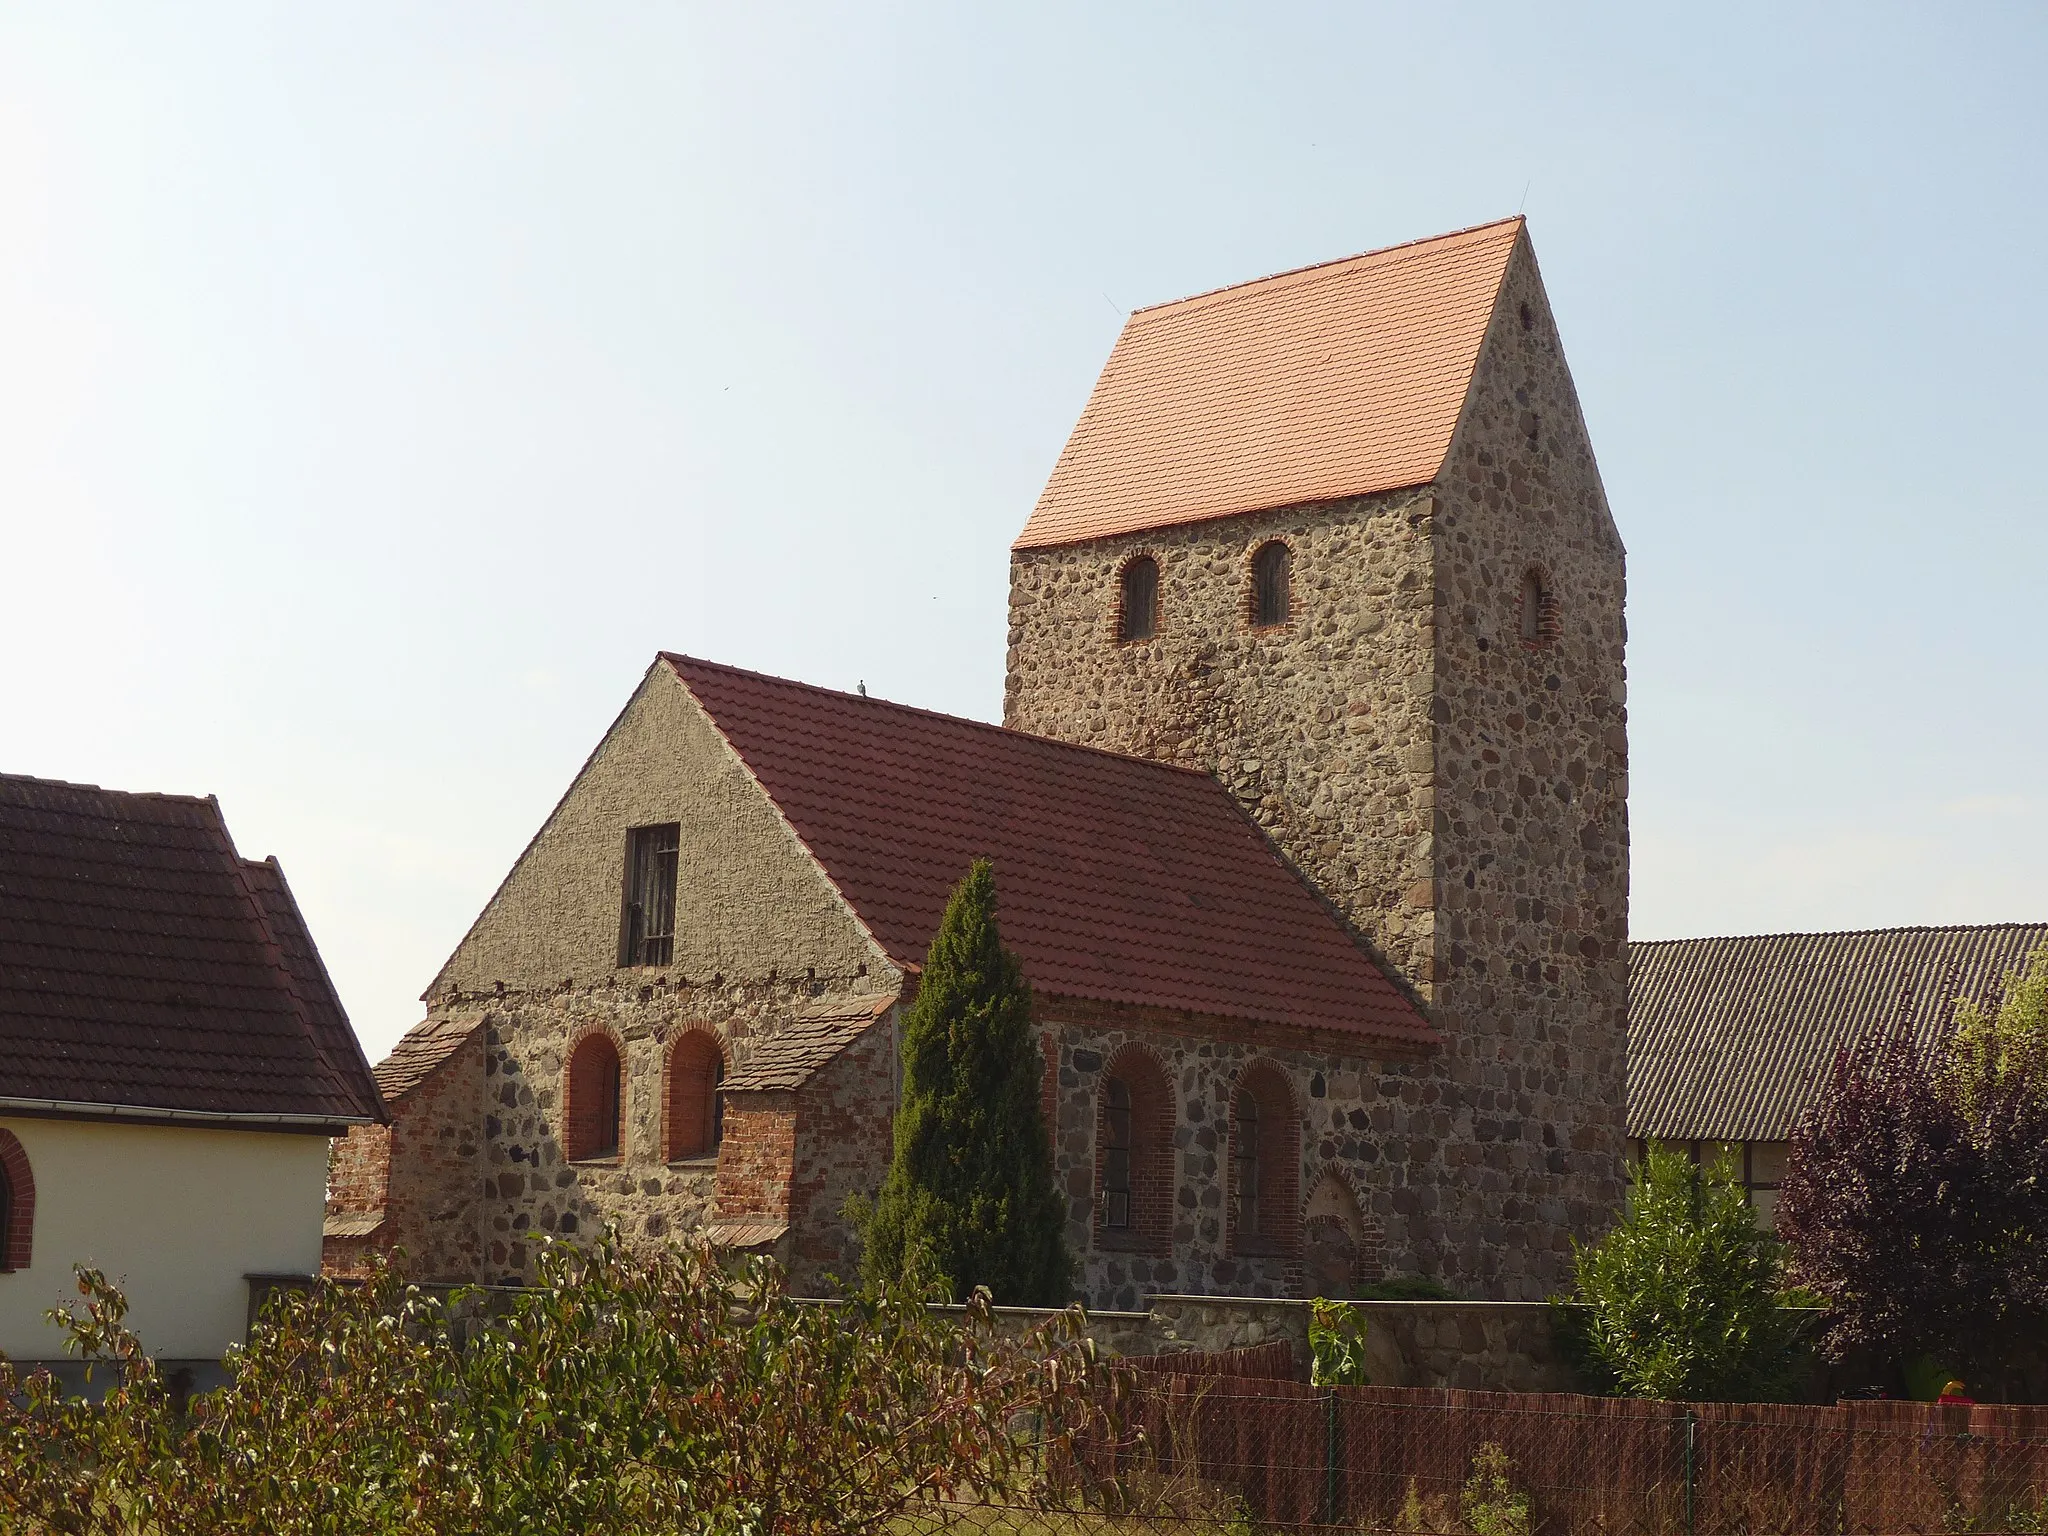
{"points": [[1232, 1454]]}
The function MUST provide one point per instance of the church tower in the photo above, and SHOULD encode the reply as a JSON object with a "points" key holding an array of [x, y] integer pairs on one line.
{"points": [[1338, 538]]}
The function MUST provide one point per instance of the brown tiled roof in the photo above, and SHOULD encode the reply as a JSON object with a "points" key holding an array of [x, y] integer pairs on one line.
{"points": [[420, 1050], [748, 1232], [787, 1059], [144, 965], [1727, 1038], [1336, 380], [1117, 879]]}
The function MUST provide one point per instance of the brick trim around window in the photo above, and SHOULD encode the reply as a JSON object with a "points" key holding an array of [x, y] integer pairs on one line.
{"points": [[691, 1070], [1278, 1148], [1151, 1156], [583, 1094], [17, 1237]]}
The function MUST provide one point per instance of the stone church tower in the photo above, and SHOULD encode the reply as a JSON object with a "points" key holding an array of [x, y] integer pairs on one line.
{"points": [[1338, 538]]}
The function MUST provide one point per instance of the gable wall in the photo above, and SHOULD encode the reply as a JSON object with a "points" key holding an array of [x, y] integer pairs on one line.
{"points": [[1532, 797], [760, 933], [750, 902]]}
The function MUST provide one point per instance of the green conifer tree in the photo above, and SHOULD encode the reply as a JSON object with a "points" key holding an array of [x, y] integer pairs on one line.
{"points": [[969, 1198]]}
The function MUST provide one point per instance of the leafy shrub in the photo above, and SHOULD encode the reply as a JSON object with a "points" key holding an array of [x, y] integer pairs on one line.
{"points": [[1406, 1288], [969, 1197], [1336, 1344], [1916, 1193], [623, 1395], [1680, 1300], [1490, 1503]]}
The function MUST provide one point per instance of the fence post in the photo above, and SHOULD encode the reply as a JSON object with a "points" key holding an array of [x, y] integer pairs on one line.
{"points": [[1692, 1517], [1330, 1441]]}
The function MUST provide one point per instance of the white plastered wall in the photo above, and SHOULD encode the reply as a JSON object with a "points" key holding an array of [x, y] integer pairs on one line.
{"points": [[176, 1215]]}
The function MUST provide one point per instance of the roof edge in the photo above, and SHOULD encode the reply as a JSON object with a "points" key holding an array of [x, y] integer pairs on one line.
{"points": [[1839, 933], [1393, 250], [75, 1109]]}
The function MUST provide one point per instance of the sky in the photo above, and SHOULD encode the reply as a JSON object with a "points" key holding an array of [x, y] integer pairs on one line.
{"points": [[382, 385]]}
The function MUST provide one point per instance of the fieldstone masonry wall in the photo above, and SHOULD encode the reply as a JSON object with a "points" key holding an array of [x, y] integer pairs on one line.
{"points": [[1460, 796]]}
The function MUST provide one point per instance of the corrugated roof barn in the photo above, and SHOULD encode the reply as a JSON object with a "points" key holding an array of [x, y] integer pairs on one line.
{"points": [[1727, 1037]]}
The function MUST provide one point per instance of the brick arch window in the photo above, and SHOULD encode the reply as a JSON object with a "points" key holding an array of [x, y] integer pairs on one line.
{"points": [[594, 1099], [17, 1204], [1134, 1154], [1264, 1172], [1137, 600], [1538, 616], [1272, 584], [694, 1111]]}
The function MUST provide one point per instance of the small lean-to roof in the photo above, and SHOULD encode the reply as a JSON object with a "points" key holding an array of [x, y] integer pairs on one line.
{"points": [[793, 1055], [422, 1049], [1336, 380], [1729, 1038], [1117, 879], [146, 967]]}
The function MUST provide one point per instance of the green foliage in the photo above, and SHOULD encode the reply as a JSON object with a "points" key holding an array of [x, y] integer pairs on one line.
{"points": [[1406, 1288], [1490, 1504], [1680, 1300], [2009, 1043], [624, 1397], [969, 1198], [1336, 1344]]}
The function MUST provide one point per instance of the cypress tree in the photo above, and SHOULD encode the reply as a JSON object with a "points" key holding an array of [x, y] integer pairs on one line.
{"points": [[969, 1198]]}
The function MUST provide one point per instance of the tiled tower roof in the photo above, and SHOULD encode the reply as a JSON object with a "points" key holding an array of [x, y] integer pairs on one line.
{"points": [[1336, 380]]}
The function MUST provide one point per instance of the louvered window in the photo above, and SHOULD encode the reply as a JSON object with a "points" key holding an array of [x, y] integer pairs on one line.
{"points": [[647, 930]]}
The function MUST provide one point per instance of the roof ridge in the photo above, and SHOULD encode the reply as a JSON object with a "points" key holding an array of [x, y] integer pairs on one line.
{"points": [[1009, 732], [101, 789], [1844, 933], [1413, 247]]}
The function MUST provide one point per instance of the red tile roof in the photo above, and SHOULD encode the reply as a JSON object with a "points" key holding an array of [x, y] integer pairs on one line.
{"points": [[1336, 380], [145, 965], [1118, 880], [421, 1050]]}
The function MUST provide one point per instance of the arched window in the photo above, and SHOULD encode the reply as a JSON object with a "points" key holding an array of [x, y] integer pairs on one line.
{"points": [[695, 1111], [1272, 601], [1539, 610], [1137, 613], [594, 1104], [1264, 1171], [1134, 1155], [17, 1204]]}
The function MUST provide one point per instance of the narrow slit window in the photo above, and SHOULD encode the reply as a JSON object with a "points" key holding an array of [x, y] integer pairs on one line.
{"points": [[1272, 599], [1138, 601], [1116, 1162], [1535, 609], [1246, 1155], [647, 929]]}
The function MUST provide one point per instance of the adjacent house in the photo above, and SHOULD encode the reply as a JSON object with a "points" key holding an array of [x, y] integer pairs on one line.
{"points": [[173, 1063], [1309, 822], [1730, 1039]]}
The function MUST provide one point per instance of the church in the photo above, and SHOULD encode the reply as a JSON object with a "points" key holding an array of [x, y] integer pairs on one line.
{"points": [[1309, 820]]}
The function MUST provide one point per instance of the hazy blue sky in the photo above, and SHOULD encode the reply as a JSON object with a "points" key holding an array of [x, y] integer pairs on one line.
{"points": [[381, 385]]}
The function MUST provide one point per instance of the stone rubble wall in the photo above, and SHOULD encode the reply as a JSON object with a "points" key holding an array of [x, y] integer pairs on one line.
{"points": [[1464, 805]]}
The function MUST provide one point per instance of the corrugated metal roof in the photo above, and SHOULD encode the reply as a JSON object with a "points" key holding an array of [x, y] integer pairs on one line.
{"points": [[1728, 1037], [1336, 380]]}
